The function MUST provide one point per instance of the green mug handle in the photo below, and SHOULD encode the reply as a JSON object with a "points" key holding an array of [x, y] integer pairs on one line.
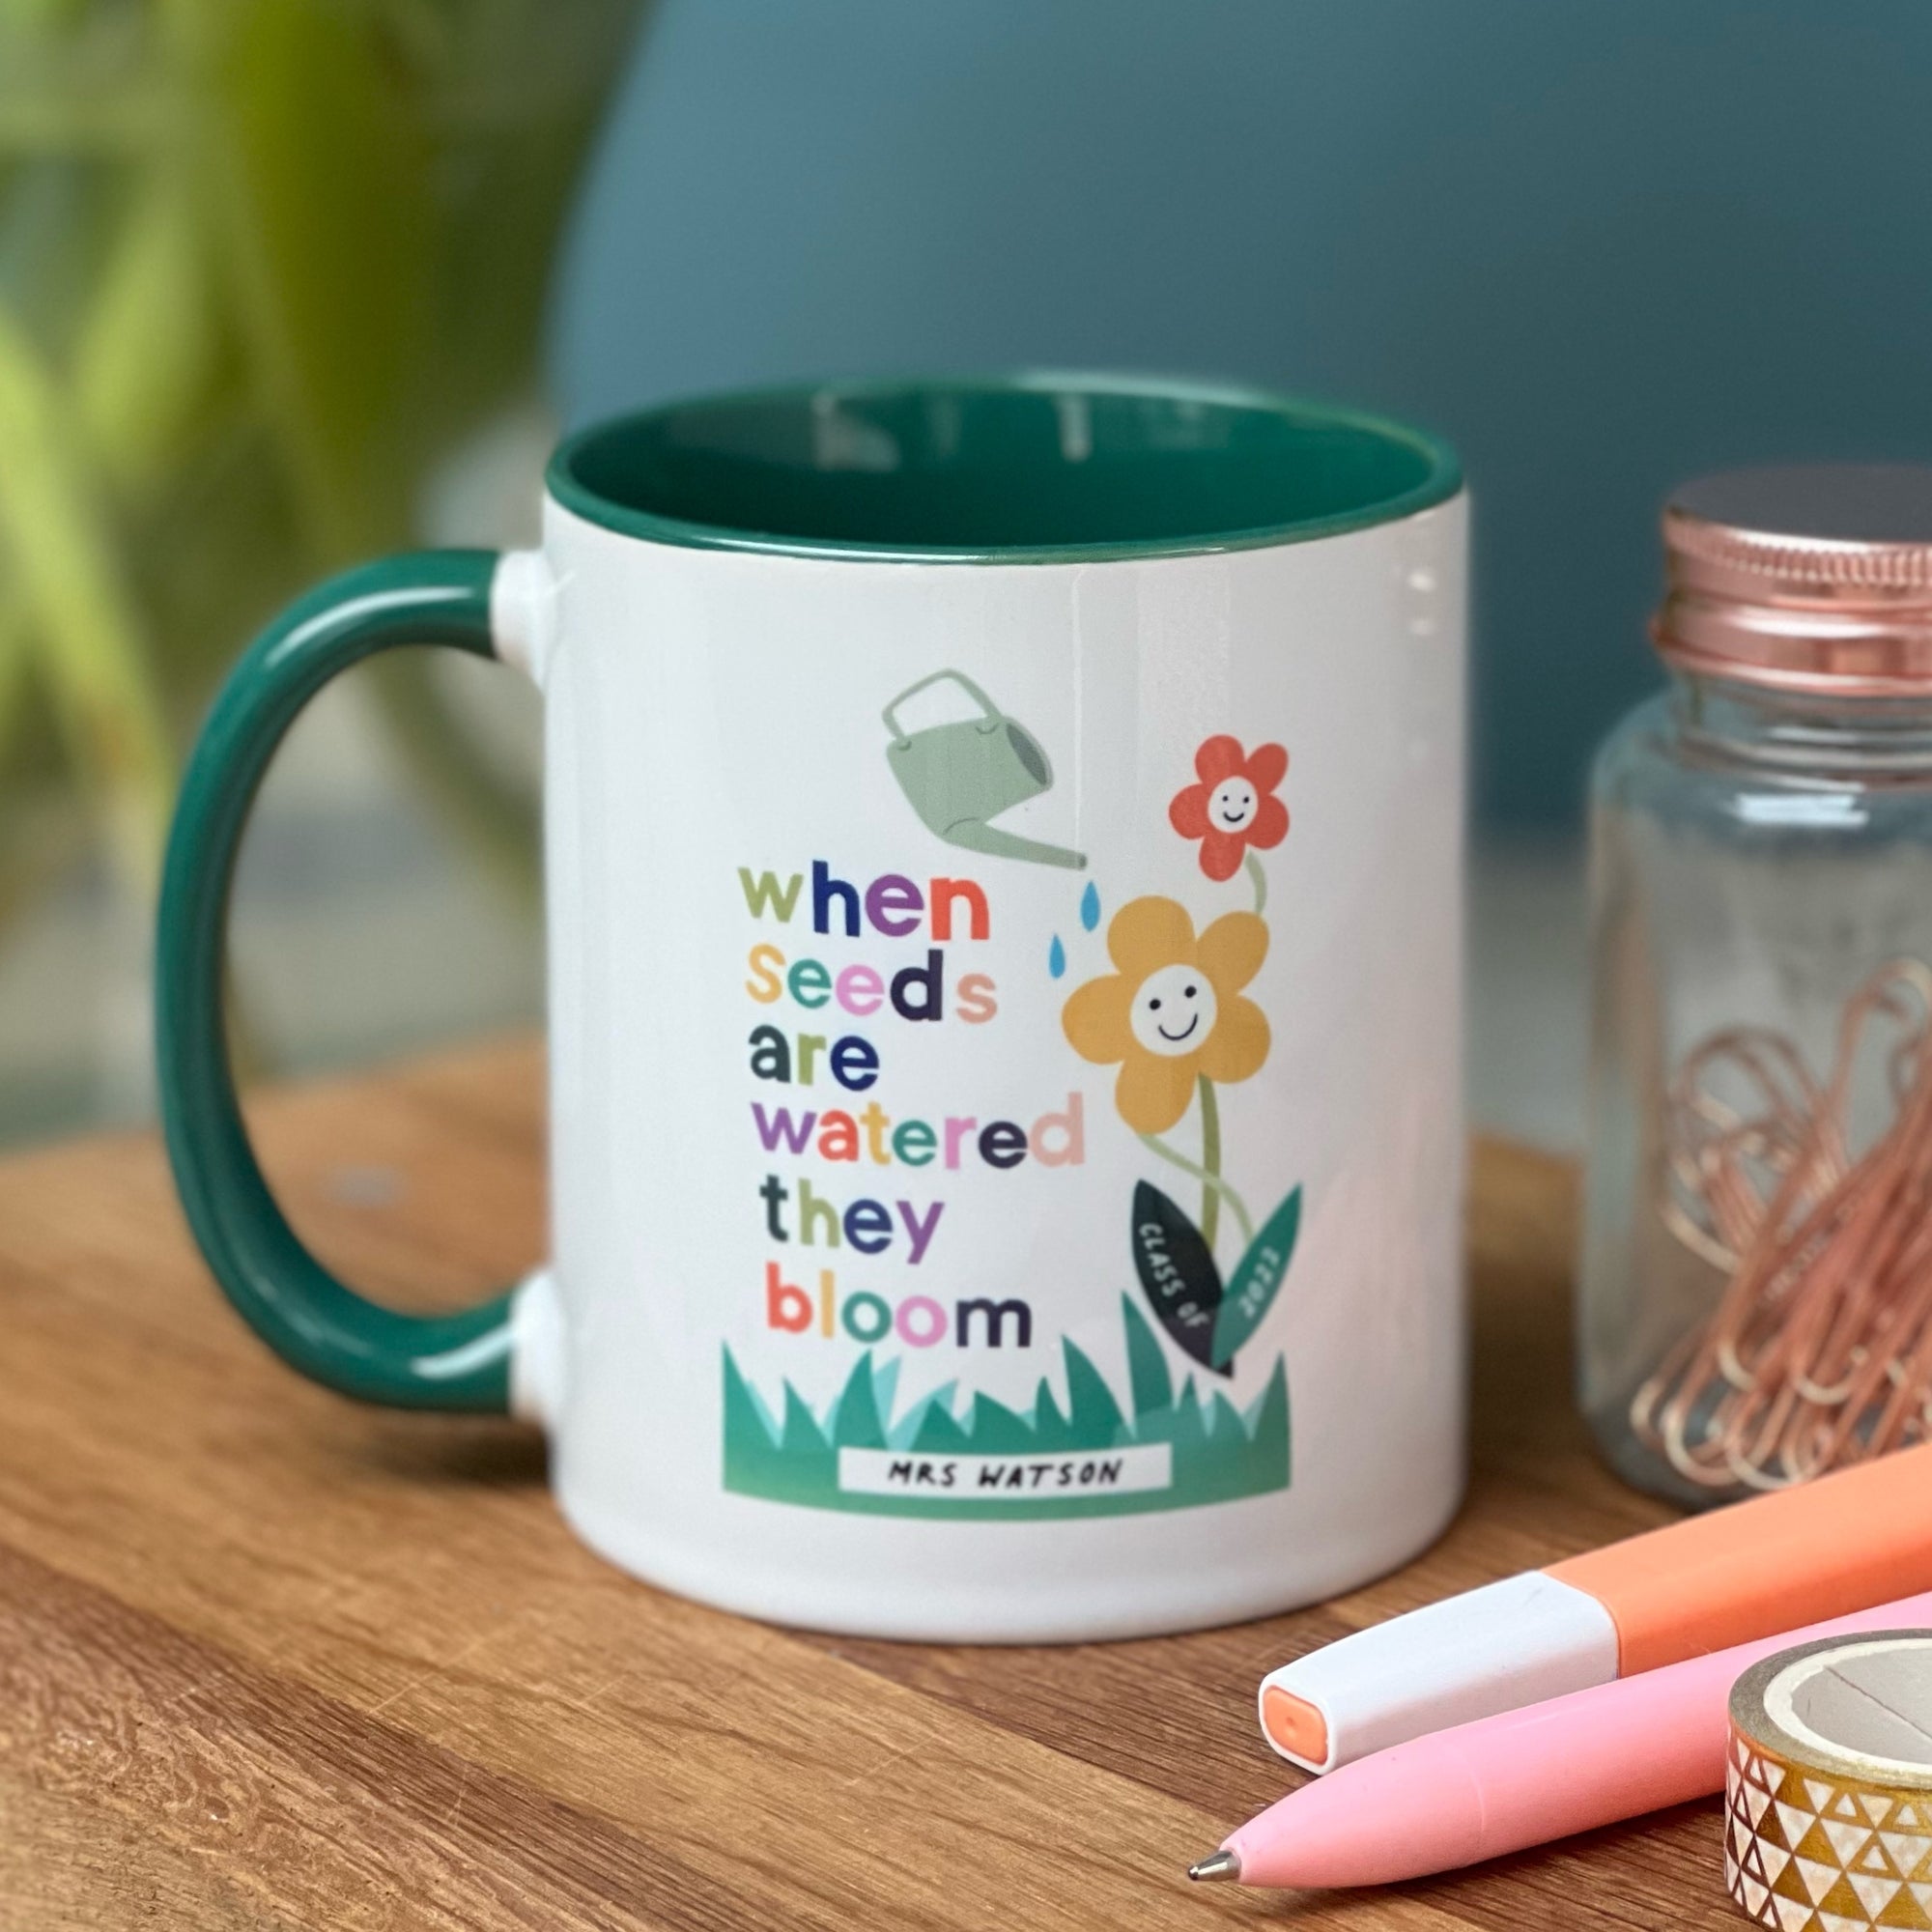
{"points": [[312, 1321]]}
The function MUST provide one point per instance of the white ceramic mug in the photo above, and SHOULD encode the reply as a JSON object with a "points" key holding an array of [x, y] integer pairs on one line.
{"points": [[1004, 864]]}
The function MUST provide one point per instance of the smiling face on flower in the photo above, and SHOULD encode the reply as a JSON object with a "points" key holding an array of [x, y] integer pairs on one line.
{"points": [[1173, 1011], [1234, 805]]}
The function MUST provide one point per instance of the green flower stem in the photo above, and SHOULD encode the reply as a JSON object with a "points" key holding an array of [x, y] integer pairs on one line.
{"points": [[1212, 1182], [1260, 878], [1211, 1159]]}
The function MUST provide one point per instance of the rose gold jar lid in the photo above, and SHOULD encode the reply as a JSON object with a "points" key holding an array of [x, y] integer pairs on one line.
{"points": [[1811, 578]]}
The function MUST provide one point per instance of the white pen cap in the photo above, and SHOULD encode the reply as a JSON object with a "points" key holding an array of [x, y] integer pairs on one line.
{"points": [[1491, 1649]]}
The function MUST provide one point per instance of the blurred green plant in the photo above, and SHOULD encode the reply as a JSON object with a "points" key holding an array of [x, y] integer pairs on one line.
{"points": [[263, 264]]}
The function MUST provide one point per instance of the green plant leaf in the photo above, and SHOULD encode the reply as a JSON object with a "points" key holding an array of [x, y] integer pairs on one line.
{"points": [[802, 1434], [333, 258], [1049, 1427], [1147, 1366], [1090, 1409], [745, 1421], [939, 1432], [1255, 1281], [149, 359], [91, 650], [1177, 1270], [997, 1430], [857, 1424]]}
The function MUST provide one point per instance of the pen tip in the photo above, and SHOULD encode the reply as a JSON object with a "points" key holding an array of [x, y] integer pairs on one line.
{"points": [[1222, 1864]]}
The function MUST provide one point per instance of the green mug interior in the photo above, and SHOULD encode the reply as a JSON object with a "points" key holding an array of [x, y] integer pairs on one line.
{"points": [[1030, 468]]}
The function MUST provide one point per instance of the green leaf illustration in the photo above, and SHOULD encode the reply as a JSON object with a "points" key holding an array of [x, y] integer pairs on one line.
{"points": [[1178, 1275], [1257, 1277], [1050, 1429], [1091, 1408], [998, 1430], [1147, 1366], [801, 1434], [940, 1432], [854, 1422]]}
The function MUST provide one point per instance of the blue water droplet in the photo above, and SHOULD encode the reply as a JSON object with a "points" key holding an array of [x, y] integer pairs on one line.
{"points": [[1090, 906], [1056, 957]]}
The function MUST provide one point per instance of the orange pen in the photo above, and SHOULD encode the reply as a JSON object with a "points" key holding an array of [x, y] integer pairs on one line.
{"points": [[1825, 1549]]}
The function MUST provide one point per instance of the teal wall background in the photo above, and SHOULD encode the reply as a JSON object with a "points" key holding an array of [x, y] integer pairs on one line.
{"points": [[1601, 248]]}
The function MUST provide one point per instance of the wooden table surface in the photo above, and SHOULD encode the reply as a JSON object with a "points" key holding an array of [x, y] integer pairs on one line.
{"points": [[270, 1658]]}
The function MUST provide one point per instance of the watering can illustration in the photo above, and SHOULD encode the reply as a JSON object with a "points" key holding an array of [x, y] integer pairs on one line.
{"points": [[962, 774]]}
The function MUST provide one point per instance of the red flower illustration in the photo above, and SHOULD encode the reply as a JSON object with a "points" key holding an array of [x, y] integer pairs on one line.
{"points": [[1234, 806]]}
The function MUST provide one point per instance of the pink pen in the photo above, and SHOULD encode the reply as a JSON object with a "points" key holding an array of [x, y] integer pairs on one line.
{"points": [[1522, 1777]]}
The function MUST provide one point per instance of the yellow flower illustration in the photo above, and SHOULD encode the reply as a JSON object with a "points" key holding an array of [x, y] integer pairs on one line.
{"points": [[1173, 1011]]}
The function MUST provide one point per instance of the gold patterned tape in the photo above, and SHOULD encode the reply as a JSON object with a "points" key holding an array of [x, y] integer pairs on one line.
{"points": [[1827, 1785]]}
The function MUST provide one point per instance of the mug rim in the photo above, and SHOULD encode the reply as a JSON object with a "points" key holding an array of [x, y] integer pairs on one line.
{"points": [[1440, 480]]}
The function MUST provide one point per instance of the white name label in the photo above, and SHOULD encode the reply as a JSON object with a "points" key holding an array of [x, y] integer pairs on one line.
{"points": [[993, 1479]]}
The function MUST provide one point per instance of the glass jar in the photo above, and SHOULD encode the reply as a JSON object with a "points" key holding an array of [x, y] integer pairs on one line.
{"points": [[1756, 1288]]}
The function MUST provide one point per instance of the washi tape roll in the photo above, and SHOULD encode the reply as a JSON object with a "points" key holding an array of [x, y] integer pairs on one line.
{"points": [[1827, 1786]]}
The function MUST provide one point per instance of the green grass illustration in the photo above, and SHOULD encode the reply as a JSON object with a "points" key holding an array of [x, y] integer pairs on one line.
{"points": [[1220, 1453]]}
